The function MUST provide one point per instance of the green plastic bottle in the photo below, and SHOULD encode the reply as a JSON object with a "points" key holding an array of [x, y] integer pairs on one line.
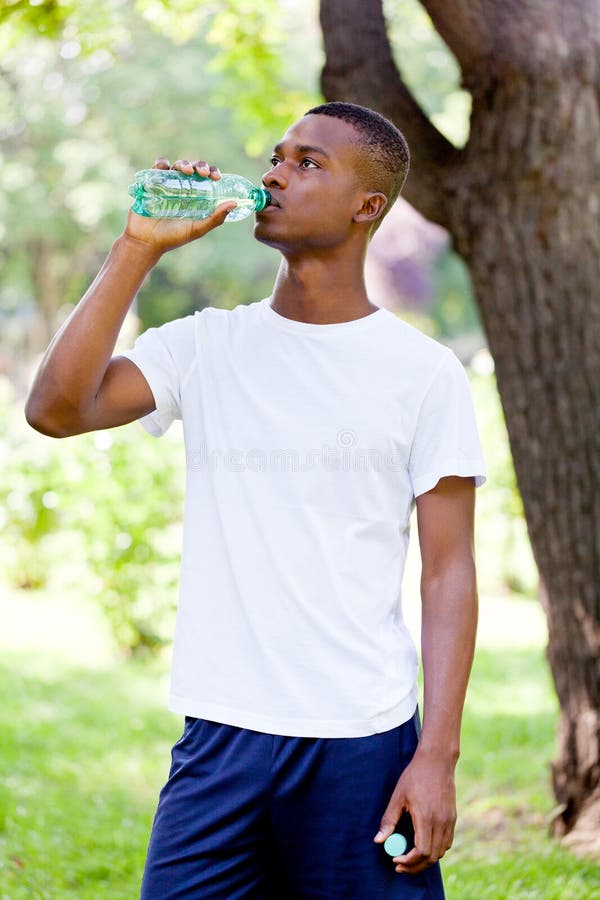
{"points": [[169, 194]]}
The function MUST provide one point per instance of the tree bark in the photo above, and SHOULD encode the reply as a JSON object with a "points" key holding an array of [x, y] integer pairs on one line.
{"points": [[360, 66], [522, 203], [526, 222]]}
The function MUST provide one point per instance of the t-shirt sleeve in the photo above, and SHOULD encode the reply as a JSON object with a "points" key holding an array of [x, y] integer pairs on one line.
{"points": [[164, 356], [446, 440]]}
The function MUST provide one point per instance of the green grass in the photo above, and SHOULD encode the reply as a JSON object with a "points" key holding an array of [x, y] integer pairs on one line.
{"points": [[502, 850], [84, 753], [85, 743]]}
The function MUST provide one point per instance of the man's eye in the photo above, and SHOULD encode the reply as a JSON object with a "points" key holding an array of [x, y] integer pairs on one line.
{"points": [[273, 160], [310, 163]]}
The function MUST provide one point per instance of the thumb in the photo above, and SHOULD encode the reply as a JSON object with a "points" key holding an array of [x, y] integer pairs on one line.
{"points": [[387, 825], [200, 227], [220, 214]]}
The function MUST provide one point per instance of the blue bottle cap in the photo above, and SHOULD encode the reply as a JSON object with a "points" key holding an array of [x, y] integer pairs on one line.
{"points": [[395, 845]]}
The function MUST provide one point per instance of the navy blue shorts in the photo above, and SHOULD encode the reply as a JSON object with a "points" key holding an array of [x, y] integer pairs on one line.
{"points": [[259, 816]]}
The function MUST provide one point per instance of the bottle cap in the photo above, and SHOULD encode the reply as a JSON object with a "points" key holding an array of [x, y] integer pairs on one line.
{"points": [[395, 845]]}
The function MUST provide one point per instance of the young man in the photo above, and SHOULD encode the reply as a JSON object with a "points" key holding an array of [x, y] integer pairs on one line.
{"points": [[313, 422]]}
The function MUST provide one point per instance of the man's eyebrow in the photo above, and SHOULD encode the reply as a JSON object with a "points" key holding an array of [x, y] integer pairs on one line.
{"points": [[304, 148]]}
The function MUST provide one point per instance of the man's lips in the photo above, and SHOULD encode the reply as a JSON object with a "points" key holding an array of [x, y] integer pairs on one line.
{"points": [[272, 204], [274, 201], [267, 210]]}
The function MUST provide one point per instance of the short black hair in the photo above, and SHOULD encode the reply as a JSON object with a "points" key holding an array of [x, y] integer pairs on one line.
{"points": [[384, 145]]}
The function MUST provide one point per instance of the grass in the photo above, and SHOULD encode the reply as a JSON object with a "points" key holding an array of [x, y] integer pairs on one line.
{"points": [[502, 850], [84, 751], [85, 743]]}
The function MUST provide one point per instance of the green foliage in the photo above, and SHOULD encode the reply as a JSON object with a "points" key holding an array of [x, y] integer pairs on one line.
{"points": [[428, 68], [82, 24], [126, 506], [47, 17], [503, 548], [453, 310], [81, 112], [260, 78], [29, 511], [104, 508], [68, 153]]}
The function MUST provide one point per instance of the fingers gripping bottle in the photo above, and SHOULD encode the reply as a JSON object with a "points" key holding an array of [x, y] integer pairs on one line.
{"points": [[169, 194]]}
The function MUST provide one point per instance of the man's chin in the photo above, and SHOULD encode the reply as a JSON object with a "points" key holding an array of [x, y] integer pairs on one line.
{"points": [[264, 234]]}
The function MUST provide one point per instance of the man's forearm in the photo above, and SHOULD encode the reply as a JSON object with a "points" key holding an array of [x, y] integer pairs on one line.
{"points": [[74, 364], [449, 625], [426, 787]]}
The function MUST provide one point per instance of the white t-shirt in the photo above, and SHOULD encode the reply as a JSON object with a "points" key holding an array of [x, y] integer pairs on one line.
{"points": [[306, 446]]}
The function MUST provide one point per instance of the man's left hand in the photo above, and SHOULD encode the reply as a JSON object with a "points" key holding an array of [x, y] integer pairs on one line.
{"points": [[426, 790]]}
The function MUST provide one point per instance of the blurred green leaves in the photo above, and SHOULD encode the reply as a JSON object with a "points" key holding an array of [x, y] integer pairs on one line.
{"points": [[504, 556], [428, 68], [260, 81], [91, 92], [78, 25], [260, 78], [101, 510]]}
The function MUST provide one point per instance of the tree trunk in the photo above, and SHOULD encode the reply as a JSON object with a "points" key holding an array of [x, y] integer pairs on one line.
{"points": [[522, 203], [526, 222]]}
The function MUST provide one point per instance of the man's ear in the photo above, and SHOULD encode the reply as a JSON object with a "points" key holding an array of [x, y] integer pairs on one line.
{"points": [[372, 208]]}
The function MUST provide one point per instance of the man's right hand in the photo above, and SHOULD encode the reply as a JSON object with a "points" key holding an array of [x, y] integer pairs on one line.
{"points": [[79, 386], [166, 234]]}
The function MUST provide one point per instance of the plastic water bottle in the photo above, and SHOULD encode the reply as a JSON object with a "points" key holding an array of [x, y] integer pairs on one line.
{"points": [[169, 194]]}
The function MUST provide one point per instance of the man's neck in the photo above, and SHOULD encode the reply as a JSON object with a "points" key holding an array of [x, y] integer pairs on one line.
{"points": [[320, 292]]}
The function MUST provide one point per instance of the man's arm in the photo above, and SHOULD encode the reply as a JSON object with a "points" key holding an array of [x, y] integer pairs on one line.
{"points": [[426, 789], [79, 386]]}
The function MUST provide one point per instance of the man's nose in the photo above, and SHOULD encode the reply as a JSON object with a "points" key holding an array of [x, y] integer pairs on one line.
{"points": [[275, 177]]}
